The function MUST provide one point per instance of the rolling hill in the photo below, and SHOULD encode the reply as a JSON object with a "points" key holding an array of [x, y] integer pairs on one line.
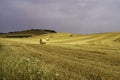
{"points": [[26, 33], [65, 56]]}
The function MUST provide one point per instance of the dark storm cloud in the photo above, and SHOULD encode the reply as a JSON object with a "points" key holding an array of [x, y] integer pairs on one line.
{"points": [[79, 16]]}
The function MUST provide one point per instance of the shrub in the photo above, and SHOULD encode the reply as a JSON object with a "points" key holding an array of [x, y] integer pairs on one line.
{"points": [[71, 35]]}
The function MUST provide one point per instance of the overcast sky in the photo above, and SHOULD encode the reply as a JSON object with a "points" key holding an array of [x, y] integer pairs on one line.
{"points": [[76, 16]]}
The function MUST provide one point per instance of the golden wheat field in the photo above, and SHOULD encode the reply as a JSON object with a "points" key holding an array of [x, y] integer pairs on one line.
{"points": [[65, 56]]}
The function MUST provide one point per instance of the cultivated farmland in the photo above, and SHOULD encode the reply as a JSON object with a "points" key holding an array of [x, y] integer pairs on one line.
{"points": [[64, 57]]}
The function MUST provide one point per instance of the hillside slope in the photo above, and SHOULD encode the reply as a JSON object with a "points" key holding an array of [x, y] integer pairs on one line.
{"points": [[26, 33], [64, 57]]}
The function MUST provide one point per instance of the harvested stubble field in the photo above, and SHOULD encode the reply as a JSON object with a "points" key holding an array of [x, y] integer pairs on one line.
{"points": [[63, 57]]}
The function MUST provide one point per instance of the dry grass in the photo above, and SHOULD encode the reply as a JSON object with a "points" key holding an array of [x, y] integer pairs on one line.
{"points": [[81, 57]]}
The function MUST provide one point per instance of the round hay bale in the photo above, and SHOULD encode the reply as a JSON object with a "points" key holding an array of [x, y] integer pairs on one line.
{"points": [[43, 41], [47, 39]]}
